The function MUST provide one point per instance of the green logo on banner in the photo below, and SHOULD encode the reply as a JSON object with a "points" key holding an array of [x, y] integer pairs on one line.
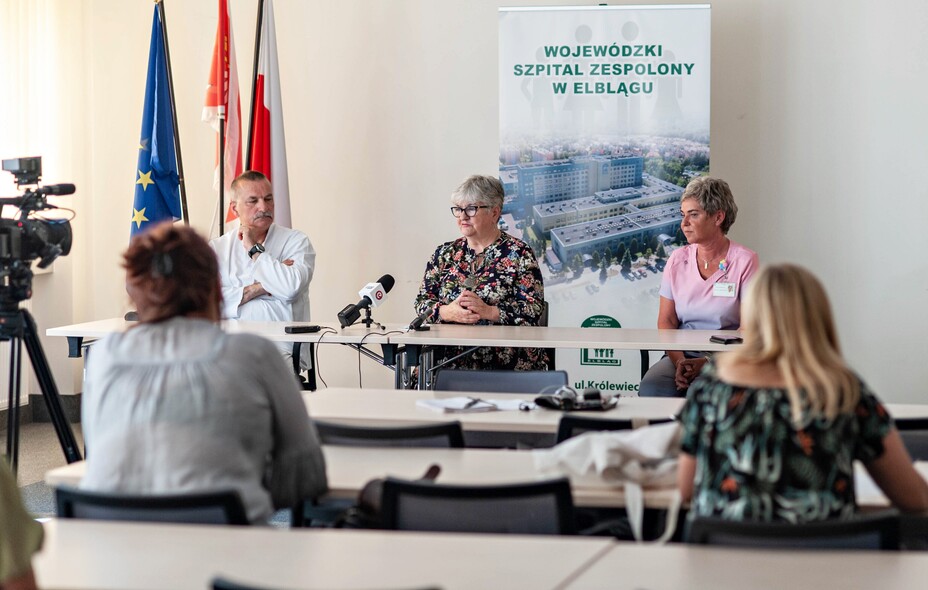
{"points": [[601, 357]]}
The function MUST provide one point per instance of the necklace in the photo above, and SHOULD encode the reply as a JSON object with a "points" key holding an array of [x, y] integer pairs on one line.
{"points": [[722, 264], [476, 266]]}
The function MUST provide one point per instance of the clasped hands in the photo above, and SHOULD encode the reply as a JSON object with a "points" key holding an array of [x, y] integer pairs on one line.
{"points": [[468, 308], [687, 371]]}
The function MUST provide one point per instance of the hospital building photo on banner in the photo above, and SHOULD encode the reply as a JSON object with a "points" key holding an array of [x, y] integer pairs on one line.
{"points": [[604, 118]]}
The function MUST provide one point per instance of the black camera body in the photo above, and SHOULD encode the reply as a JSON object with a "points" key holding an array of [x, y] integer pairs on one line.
{"points": [[28, 237]]}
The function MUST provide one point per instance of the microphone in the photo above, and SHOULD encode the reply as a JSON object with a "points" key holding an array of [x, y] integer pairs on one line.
{"points": [[372, 294], [416, 324], [56, 189]]}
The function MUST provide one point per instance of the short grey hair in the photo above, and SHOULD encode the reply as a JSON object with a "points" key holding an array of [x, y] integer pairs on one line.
{"points": [[479, 190], [246, 176], [713, 195]]}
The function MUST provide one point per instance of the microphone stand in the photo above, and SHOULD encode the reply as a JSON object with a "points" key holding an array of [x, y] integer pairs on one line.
{"points": [[367, 321]]}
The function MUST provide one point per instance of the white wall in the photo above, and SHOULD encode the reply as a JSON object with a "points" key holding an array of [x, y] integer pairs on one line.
{"points": [[816, 123]]}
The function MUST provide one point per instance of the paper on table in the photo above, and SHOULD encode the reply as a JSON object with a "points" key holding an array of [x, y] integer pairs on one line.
{"points": [[453, 405]]}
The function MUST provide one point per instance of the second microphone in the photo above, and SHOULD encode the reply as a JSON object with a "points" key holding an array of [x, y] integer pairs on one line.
{"points": [[372, 295]]}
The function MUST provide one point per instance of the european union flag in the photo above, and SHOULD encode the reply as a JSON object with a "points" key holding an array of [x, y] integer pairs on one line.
{"points": [[156, 185]]}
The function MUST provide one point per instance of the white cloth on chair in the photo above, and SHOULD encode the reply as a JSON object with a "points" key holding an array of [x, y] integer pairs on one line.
{"points": [[640, 458]]}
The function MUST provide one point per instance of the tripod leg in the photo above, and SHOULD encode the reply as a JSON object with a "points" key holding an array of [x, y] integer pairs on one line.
{"points": [[12, 433], [49, 390]]}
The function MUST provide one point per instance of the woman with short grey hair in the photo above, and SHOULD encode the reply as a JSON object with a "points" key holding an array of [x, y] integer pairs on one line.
{"points": [[484, 277], [702, 284]]}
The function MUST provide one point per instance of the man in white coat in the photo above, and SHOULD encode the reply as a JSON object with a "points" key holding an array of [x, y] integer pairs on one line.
{"points": [[265, 268]]}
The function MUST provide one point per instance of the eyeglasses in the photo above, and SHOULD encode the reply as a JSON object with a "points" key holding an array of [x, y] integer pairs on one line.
{"points": [[470, 210]]}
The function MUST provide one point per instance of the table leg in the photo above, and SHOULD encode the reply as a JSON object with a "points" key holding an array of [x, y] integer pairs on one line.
{"points": [[645, 362], [74, 346]]}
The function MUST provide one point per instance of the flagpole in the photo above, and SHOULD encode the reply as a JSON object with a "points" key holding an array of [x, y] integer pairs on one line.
{"points": [[254, 83], [222, 168], [180, 163]]}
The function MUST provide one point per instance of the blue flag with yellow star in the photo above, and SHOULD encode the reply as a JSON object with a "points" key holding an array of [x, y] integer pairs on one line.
{"points": [[156, 184]]}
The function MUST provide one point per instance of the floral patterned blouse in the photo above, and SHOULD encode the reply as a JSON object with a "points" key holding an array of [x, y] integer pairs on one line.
{"points": [[753, 464], [508, 277]]}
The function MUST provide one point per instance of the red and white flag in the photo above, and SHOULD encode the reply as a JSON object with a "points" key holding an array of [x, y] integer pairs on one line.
{"points": [[268, 149], [222, 92]]}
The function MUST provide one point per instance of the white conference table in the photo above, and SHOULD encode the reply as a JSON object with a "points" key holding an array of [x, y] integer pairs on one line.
{"points": [[416, 343], [391, 407], [273, 331], [675, 566], [450, 334], [86, 554], [331, 333], [349, 468]]}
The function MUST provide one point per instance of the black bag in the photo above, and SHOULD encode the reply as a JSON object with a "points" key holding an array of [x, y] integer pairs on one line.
{"points": [[366, 514], [566, 399]]}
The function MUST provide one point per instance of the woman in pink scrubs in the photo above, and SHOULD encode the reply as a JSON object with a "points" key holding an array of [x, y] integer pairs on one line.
{"points": [[702, 284]]}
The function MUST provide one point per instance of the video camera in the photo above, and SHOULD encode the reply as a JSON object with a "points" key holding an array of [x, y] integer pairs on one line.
{"points": [[27, 236]]}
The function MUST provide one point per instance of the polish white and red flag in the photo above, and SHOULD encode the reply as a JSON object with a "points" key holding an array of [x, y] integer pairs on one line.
{"points": [[268, 149], [222, 94]]}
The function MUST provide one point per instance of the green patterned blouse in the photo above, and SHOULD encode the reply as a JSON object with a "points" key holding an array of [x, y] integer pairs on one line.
{"points": [[753, 463]]}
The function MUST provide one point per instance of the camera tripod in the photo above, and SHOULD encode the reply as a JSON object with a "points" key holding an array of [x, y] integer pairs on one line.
{"points": [[17, 326]]}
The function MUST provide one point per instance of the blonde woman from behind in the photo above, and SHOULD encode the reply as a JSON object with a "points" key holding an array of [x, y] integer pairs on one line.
{"points": [[772, 430]]}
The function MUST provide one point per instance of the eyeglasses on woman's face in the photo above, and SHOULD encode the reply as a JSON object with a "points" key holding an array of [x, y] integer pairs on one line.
{"points": [[469, 211]]}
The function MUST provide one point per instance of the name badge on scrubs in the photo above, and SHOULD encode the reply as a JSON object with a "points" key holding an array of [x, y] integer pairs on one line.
{"points": [[723, 290]]}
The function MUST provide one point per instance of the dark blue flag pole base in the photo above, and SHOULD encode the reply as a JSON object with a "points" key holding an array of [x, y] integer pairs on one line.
{"points": [[18, 327]]}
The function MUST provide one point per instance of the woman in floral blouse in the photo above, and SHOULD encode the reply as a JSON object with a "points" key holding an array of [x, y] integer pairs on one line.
{"points": [[772, 430], [484, 277]]}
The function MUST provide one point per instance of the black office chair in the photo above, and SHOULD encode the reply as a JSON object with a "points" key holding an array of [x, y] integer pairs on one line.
{"points": [[914, 433], [446, 435], [500, 381], [315, 512], [599, 520], [913, 532], [222, 507], [865, 532], [220, 583], [571, 425], [544, 507], [543, 322]]}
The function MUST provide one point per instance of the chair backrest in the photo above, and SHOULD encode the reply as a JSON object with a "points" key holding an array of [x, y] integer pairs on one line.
{"points": [[543, 322], [221, 507], [914, 434], [220, 583], [913, 532], [872, 532], [531, 508], [500, 381], [571, 426], [446, 435]]}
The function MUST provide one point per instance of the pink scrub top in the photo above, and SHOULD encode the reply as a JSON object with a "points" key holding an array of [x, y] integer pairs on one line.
{"points": [[699, 303]]}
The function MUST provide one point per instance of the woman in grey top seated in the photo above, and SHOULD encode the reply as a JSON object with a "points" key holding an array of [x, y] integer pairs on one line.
{"points": [[176, 405]]}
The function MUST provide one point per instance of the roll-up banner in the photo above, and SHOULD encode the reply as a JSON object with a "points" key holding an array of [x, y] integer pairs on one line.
{"points": [[604, 118]]}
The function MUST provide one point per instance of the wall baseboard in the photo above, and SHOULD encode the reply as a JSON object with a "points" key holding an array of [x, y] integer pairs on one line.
{"points": [[71, 404], [25, 416]]}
